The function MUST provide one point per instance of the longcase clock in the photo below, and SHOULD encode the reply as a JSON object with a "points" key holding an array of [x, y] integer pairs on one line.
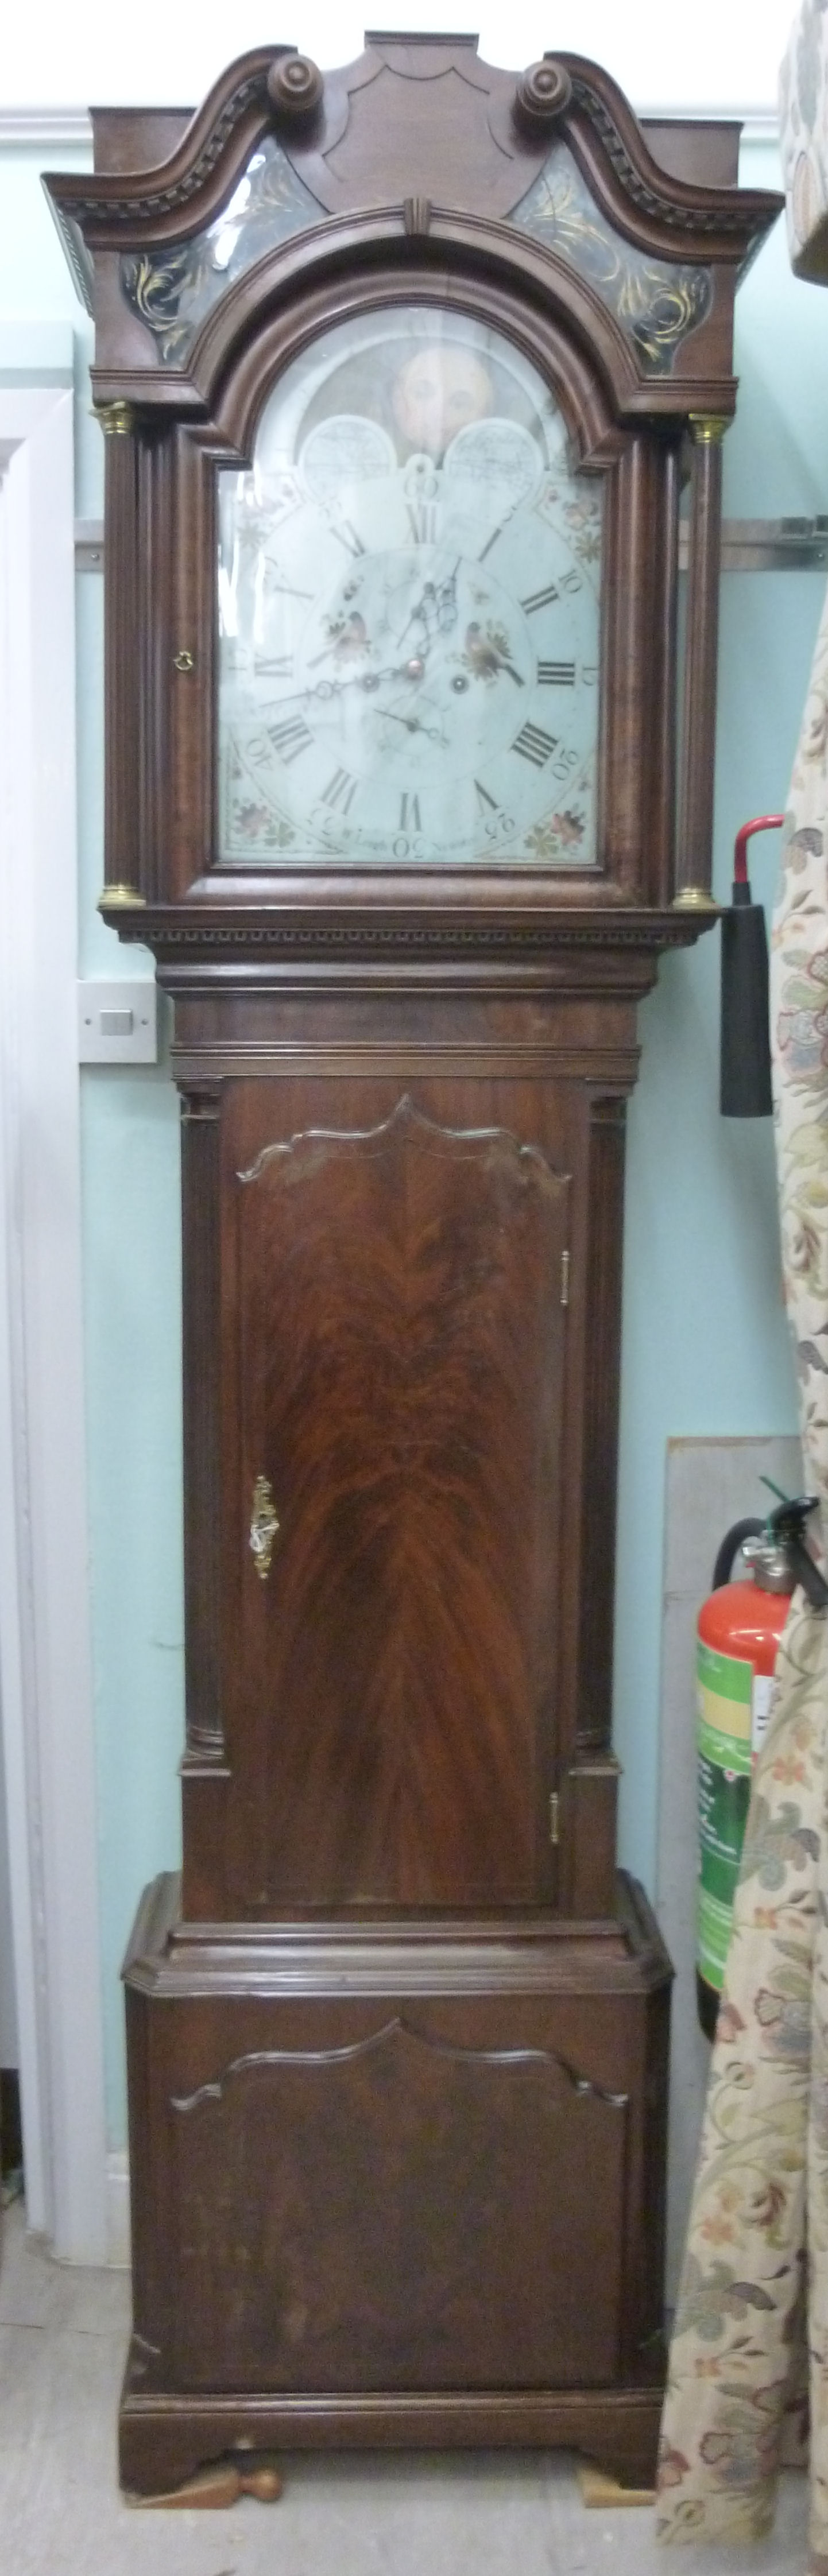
{"points": [[401, 373]]}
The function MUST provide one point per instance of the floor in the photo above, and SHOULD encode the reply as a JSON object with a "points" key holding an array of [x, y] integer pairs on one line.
{"points": [[62, 2337]]}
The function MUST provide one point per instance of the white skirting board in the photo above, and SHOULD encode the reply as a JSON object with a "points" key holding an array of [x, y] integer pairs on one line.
{"points": [[118, 2245], [46, 1694]]}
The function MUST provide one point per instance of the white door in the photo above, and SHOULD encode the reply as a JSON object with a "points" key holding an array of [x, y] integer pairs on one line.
{"points": [[45, 1670]]}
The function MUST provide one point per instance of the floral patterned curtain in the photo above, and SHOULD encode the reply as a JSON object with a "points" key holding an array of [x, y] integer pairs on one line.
{"points": [[752, 2318], [752, 2322], [750, 2342]]}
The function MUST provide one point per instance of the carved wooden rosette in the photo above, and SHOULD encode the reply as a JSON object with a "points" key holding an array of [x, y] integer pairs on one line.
{"points": [[399, 1974]]}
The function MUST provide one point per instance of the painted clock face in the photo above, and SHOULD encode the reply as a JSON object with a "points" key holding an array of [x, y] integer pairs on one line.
{"points": [[409, 599]]}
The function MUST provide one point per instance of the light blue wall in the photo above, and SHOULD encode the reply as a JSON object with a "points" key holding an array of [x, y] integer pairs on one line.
{"points": [[130, 1186], [705, 1344], [131, 1253]]}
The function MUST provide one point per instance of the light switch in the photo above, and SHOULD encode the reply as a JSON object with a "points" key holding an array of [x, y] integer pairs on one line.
{"points": [[117, 1021]]}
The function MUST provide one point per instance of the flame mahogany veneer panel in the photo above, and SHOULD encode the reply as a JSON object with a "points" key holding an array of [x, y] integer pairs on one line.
{"points": [[398, 1335]]}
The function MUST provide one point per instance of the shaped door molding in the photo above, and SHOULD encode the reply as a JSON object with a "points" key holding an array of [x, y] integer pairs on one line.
{"points": [[417, 1489]]}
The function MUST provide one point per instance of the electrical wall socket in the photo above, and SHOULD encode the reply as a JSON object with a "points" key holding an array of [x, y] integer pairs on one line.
{"points": [[118, 1021]]}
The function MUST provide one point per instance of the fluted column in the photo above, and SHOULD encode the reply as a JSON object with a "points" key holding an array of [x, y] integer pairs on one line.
{"points": [[695, 832], [121, 679]]}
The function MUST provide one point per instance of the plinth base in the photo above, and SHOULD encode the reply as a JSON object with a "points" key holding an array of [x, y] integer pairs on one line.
{"points": [[394, 2186], [165, 2439]]}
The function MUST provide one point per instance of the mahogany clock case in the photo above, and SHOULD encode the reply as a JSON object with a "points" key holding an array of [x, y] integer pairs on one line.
{"points": [[397, 2042]]}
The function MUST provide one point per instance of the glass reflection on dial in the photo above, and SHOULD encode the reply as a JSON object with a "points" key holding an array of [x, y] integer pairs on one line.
{"points": [[409, 610]]}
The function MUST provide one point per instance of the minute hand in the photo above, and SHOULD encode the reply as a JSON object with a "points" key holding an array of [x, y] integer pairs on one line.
{"points": [[322, 690], [436, 609]]}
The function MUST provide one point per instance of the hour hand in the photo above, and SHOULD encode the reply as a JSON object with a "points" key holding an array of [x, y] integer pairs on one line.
{"points": [[435, 612], [447, 604]]}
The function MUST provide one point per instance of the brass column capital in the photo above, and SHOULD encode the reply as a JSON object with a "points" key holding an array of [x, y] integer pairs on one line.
{"points": [[121, 898], [117, 419], [707, 429], [692, 898]]}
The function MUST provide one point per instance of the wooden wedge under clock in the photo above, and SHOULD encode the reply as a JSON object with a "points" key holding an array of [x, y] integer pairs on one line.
{"points": [[401, 372]]}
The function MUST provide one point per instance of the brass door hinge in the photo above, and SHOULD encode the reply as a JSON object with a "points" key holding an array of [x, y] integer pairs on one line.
{"points": [[554, 1818], [564, 1278]]}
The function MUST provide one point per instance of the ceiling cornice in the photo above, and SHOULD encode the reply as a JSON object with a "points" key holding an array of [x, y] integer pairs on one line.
{"points": [[53, 128], [68, 128]]}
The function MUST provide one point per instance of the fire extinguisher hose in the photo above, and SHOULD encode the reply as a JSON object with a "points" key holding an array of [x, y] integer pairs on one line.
{"points": [[730, 1548]]}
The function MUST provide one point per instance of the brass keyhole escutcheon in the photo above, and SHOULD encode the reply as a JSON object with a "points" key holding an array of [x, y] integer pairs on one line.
{"points": [[183, 661], [264, 1527]]}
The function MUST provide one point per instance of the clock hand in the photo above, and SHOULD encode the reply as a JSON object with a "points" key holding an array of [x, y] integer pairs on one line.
{"points": [[327, 689], [447, 602], [413, 724], [374, 679], [336, 688], [436, 609]]}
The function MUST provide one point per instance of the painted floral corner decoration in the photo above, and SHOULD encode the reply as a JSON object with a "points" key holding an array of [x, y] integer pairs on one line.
{"points": [[656, 301], [173, 288], [254, 824], [257, 825], [559, 836]]}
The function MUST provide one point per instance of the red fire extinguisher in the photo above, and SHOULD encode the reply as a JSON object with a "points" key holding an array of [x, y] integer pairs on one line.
{"points": [[739, 1629]]}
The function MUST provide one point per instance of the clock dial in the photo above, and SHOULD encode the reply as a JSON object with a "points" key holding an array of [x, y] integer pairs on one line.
{"points": [[409, 580]]}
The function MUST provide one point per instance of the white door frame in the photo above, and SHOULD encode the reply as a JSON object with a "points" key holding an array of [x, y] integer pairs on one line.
{"points": [[46, 1707]]}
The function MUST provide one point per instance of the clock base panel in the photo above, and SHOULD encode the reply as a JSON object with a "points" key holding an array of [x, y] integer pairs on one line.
{"points": [[165, 2439], [400, 2192]]}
